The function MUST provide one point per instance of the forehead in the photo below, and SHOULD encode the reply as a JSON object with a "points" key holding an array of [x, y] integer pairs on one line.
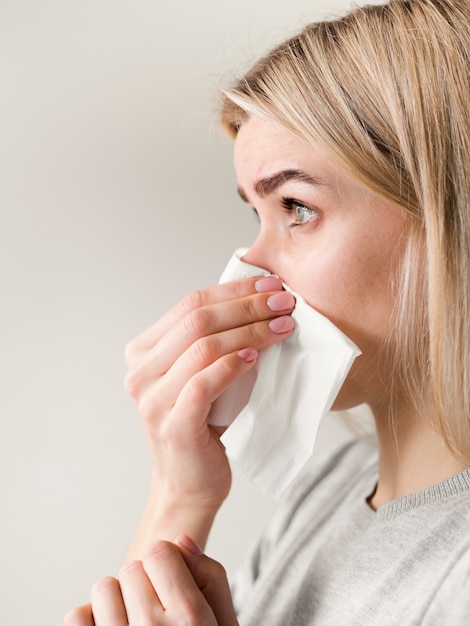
{"points": [[261, 138], [263, 148]]}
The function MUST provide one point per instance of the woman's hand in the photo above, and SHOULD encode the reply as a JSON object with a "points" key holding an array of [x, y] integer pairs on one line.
{"points": [[177, 368], [172, 585]]}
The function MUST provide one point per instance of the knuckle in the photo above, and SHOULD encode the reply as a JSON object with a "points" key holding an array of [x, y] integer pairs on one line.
{"points": [[161, 550], [260, 334], [74, 617], [193, 300], [214, 571], [241, 287], [132, 382], [217, 570], [104, 586], [127, 570], [204, 351], [197, 390], [130, 351], [251, 308], [197, 322], [149, 406]]}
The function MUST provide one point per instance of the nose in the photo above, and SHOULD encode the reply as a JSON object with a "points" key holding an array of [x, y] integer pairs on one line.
{"points": [[262, 254]]}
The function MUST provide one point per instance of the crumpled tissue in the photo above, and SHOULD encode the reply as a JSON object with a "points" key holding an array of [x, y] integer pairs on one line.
{"points": [[274, 411]]}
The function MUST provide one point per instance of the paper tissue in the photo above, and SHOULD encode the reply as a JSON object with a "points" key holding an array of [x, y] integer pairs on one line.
{"points": [[275, 410]]}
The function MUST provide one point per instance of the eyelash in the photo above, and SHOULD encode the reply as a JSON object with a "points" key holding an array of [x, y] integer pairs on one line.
{"points": [[290, 205]]}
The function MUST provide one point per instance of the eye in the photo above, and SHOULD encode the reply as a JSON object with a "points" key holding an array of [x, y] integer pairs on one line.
{"points": [[302, 214]]}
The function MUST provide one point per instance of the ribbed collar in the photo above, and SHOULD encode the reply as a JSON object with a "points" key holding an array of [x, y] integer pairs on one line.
{"points": [[451, 487]]}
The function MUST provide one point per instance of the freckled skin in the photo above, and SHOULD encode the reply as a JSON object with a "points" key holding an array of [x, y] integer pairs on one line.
{"points": [[341, 260]]}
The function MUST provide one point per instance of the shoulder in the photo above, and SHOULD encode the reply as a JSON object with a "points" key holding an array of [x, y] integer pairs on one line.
{"points": [[451, 603], [323, 483]]}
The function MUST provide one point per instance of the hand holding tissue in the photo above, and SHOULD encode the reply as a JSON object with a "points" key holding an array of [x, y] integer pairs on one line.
{"points": [[273, 413]]}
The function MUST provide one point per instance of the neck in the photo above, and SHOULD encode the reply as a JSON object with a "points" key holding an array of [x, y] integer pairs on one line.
{"points": [[413, 456]]}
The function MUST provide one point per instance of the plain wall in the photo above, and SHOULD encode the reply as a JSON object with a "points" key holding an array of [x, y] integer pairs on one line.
{"points": [[117, 197]]}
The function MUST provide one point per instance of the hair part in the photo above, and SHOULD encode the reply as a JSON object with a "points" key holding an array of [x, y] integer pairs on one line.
{"points": [[385, 92]]}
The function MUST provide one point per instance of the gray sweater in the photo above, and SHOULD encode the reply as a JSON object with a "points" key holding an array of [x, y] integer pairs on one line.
{"points": [[327, 559]]}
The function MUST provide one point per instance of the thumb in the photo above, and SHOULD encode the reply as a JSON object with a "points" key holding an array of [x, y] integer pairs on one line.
{"points": [[211, 578]]}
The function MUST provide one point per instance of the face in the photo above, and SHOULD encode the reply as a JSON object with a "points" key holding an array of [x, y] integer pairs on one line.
{"points": [[329, 238]]}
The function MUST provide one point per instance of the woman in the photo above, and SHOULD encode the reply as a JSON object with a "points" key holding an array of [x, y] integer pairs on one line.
{"points": [[352, 143]]}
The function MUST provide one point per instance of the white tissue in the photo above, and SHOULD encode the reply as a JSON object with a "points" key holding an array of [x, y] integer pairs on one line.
{"points": [[275, 410]]}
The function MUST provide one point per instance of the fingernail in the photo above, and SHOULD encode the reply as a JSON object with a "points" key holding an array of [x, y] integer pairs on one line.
{"points": [[281, 324], [270, 283], [248, 354], [189, 544], [282, 301]]}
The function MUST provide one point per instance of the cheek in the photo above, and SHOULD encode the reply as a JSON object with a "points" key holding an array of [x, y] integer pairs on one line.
{"points": [[352, 290]]}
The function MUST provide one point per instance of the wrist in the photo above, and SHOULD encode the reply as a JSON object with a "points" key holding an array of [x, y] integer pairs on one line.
{"points": [[171, 493], [170, 514], [167, 516]]}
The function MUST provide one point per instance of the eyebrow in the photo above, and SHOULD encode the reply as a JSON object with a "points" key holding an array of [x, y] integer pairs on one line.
{"points": [[266, 186]]}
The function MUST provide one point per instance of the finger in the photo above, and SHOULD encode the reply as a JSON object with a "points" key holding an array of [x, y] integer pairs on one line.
{"points": [[202, 355], [188, 419], [200, 328], [215, 319], [207, 350], [139, 595], [211, 578], [196, 300], [180, 596], [107, 603], [80, 616]]}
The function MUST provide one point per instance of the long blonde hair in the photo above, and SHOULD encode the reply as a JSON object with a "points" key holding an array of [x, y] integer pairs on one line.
{"points": [[385, 91]]}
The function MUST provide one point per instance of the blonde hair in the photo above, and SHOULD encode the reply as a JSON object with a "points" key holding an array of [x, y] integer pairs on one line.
{"points": [[385, 91]]}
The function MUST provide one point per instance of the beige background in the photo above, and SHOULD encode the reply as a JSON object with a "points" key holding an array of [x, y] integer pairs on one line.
{"points": [[117, 197]]}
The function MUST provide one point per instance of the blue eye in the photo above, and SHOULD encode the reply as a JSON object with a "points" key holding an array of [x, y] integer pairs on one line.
{"points": [[302, 214]]}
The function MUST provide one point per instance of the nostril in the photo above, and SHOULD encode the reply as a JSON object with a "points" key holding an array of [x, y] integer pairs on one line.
{"points": [[253, 257]]}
